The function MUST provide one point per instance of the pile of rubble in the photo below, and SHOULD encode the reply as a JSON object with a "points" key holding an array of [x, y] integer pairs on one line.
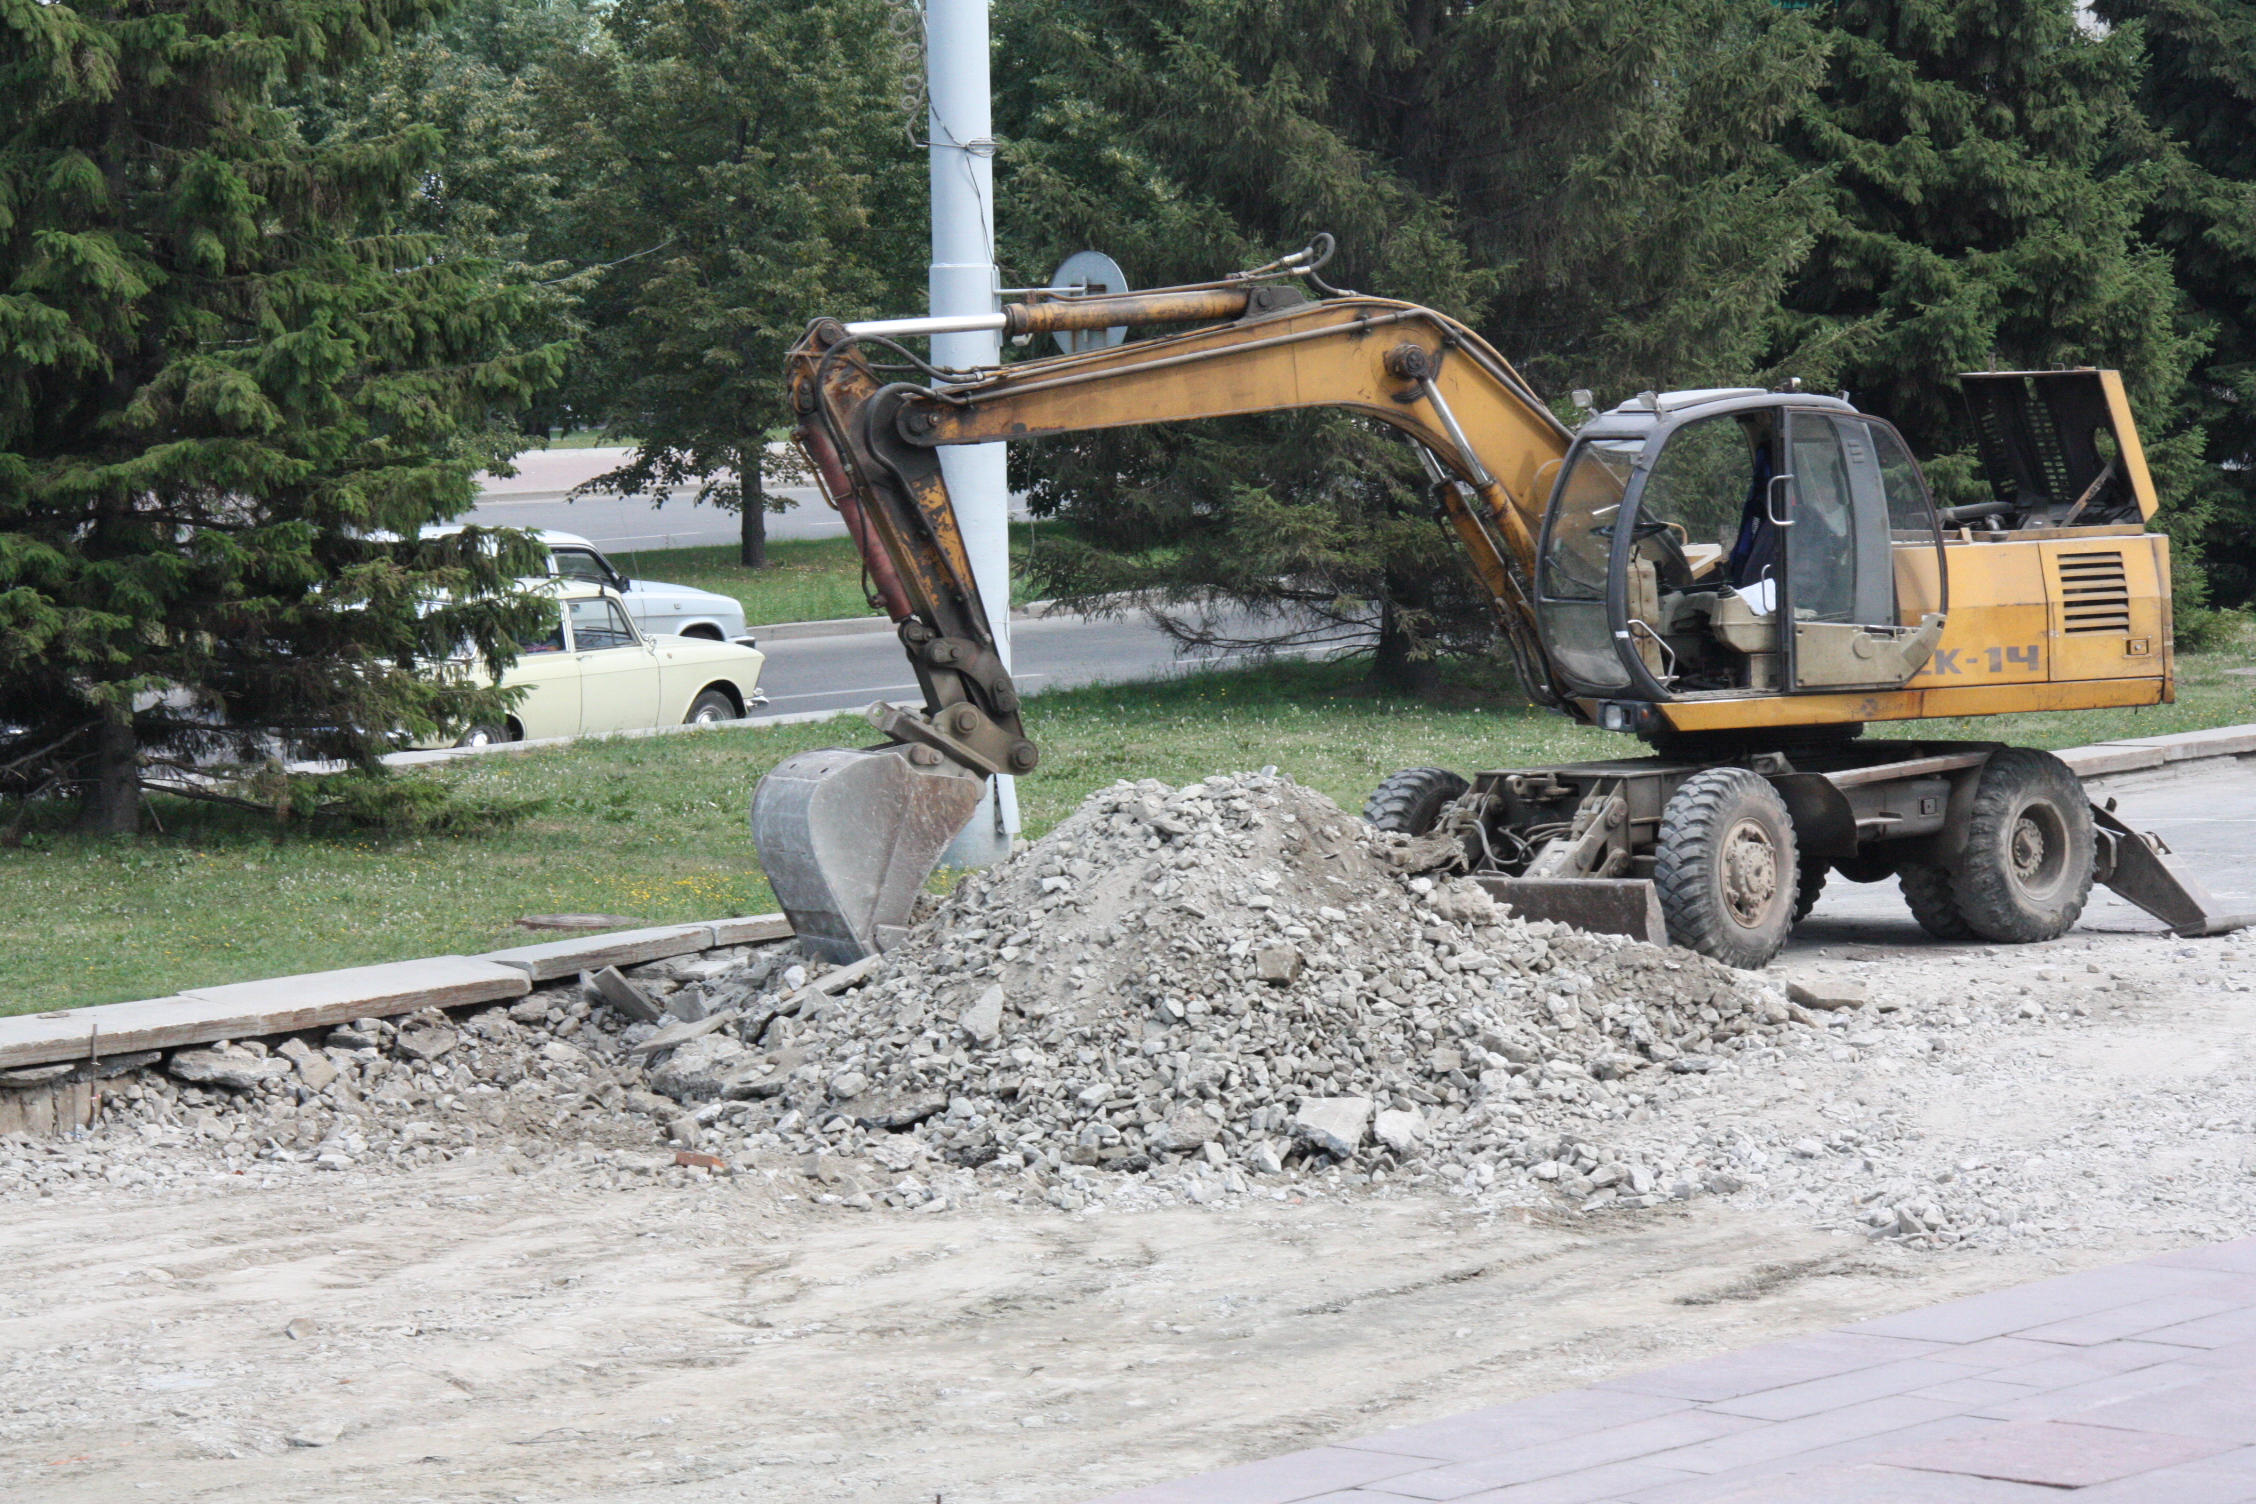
{"points": [[1231, 971], [1203, 988]]}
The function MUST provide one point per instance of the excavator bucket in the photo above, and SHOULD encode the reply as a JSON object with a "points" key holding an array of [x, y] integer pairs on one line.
{"points": [[1605, 905], [848, 838], [2133, 866]]}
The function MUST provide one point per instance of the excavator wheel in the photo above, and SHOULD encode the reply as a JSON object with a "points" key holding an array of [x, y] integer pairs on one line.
{"points": [[2027, 866], [1409, 802], [1726, 867], [1927, 891], [1810, 882]]}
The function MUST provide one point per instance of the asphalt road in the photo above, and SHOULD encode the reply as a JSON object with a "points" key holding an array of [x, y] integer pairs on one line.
{"points": [[2205, 813], [847, 672], [535, 497]]}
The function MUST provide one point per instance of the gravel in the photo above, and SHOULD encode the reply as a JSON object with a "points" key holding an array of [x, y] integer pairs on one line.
{"points": [[1228, 991]]}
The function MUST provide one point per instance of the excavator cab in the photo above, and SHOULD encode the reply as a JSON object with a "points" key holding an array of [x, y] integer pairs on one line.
{"points": [[1732, 542]]}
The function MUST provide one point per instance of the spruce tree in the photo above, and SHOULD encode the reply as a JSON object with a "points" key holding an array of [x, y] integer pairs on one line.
{"points": [[232, 394], [1592, 186], [1988, 170], [746, 168], [2200, 90]]}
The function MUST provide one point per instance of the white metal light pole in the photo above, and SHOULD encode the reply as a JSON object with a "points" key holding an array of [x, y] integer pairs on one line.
{"points": [[963, 281]]}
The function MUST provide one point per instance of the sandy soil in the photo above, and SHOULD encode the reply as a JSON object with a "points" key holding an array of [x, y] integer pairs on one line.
{"points": [[503, 1329]]}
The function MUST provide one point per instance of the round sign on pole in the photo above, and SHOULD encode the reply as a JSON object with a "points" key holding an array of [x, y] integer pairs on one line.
{"points": [[1089, 274]]}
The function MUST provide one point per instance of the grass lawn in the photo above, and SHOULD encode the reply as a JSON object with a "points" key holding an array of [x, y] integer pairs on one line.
{"points": [[656, 828], [808, 580]]}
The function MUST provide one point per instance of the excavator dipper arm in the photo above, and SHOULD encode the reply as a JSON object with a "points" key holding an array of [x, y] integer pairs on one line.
{"points": [[849, 842]]}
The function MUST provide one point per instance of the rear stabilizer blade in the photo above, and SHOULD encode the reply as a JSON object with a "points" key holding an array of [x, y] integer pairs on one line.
{"points": [[848, 839], [2128, 863]]}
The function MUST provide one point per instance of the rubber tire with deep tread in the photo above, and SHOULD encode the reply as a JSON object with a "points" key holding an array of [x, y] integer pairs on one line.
{"points": [[1702, 819], [1411, 801], [710, 706], [1927, 891], [1810, 881], [2028, 809]]}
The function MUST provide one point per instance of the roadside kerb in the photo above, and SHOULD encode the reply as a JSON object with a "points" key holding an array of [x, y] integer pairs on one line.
{"points": [[277, 1005], [855, 626], [285, 1005], [2137, 754]]}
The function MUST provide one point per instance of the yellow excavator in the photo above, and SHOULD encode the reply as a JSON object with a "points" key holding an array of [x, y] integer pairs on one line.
{"points": [[1744, 579]]}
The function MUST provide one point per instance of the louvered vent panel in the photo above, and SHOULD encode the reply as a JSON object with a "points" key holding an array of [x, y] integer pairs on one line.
{"points": [[2095, 594]]}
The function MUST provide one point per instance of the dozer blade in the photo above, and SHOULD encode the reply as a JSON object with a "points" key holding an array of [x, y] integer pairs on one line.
{"points": [[1608, 905], [2131, 866], [848, 839]]}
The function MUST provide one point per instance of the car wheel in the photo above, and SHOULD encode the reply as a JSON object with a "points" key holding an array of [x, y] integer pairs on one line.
{"points": [[710, 708], [702, 633], [484, 736]]}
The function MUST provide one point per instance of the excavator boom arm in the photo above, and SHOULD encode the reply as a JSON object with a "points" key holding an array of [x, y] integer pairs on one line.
{"points": [[1494, 447]]}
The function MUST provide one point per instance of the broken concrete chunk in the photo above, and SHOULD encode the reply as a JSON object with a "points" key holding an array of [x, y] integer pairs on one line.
{"points": [[1334, 1124], [533, 1009], [1400, 1131], [314, 1069], [1828, 993], [678, 1034], [1186, 1129], [427, 1043], [697, 1070], [231, 1069], [983, 1020], [620, 994], [1277, 965], [896, 1113]]}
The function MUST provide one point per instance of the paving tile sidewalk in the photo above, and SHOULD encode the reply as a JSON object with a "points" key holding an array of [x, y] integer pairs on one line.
{"points": [[2136, 1383]]}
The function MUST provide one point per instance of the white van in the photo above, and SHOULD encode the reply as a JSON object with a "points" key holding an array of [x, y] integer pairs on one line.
{"points": [[659, 609]]}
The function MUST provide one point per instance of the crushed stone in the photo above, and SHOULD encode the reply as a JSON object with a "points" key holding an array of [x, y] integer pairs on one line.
{"points": [[1227, 992]]}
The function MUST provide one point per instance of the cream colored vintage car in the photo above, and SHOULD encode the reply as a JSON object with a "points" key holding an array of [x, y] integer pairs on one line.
{"points": [[595, 671]]}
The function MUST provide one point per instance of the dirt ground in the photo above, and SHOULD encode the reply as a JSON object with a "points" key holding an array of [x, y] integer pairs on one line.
{"points": [[514, 1331], [504, 1329]]}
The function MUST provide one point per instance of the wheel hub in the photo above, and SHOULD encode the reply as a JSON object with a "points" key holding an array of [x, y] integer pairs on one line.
{"points": [[1750, 872], [2028, 848]]}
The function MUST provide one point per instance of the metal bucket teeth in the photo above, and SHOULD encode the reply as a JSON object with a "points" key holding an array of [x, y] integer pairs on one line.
{"points": [[848, 838]]}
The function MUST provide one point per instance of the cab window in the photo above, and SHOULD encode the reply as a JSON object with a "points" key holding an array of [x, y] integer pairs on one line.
{"points": [[599, 624]]}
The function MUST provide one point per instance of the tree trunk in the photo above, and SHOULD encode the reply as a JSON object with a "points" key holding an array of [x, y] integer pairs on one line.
{"points": [[1398, 665], [752, 550], [111, 802]]}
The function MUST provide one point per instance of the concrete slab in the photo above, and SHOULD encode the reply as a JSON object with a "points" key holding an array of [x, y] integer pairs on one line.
{"points": [[751, 929], [240, 1010], [39, 1038], [550, 959]]}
